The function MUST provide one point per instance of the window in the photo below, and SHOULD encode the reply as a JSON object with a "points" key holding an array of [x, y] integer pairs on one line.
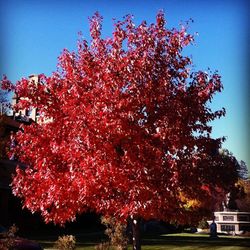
{"points": [[243, 218], [38, 112], [227, 228], [244, 227], [28, 112], [228, 218]]}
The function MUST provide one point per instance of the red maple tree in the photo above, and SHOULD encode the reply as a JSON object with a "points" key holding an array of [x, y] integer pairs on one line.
{"points": [[124, 129]]}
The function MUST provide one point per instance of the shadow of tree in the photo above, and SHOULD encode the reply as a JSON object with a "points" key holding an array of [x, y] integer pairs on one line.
{"points": [[194, 240]]}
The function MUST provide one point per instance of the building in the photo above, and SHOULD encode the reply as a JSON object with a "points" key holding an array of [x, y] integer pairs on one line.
{"points": [[233, 222], [7, 168], [26, 115], [10, 206]]}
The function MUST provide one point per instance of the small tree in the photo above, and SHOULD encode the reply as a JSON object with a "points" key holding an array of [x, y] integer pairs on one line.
{"points": [[237, 169], [4, 101], [124, 130], [243, 171], [116, 231], [243, 201], [66, 242], [8, 243]]}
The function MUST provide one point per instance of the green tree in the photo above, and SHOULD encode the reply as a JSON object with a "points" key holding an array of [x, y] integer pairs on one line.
{"points": [[4, 101], [242, 170], [243, 202]]}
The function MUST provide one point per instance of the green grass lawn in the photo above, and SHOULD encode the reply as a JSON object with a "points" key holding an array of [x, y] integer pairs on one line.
{"points": [[168, 242]]}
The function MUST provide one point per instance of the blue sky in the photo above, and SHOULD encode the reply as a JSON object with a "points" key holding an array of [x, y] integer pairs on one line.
{"points": [[33, 34]]}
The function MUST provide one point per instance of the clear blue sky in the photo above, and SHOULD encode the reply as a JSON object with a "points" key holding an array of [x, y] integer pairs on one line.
{"points": [[33, 33]]}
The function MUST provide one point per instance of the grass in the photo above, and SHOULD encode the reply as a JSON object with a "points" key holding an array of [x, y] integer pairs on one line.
{"points": [[195, 241], [183, 241]]}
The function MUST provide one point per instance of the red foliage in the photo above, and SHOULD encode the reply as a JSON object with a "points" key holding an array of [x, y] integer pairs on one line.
{"points": [[124, 128]]}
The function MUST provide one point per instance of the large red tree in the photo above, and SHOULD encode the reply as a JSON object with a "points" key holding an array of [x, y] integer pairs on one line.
{"points": [[124, 129]]}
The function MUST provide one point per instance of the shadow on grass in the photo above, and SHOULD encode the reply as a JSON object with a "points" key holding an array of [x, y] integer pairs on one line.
{"points": [[194, 240], [89, 240]]}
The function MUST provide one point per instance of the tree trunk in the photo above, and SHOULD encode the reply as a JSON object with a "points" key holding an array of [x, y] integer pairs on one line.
{"points": [[136, 234]]}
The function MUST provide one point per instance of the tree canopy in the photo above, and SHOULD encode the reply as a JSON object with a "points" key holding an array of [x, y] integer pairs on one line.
{"points": [[124, 129]]}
